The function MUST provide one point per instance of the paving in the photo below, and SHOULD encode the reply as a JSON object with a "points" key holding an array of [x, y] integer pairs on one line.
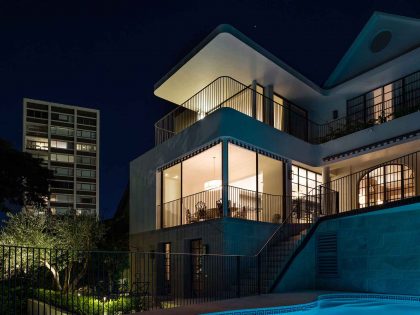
{"points": [[259, 301]]}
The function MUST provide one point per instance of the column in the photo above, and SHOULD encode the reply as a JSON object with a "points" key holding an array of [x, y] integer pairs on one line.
{"points": [[225, 177], [268, 105], [287, 176], [254, 99]]}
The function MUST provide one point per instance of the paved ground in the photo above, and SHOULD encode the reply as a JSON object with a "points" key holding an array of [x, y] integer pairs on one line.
{"points": [[267, 300]]}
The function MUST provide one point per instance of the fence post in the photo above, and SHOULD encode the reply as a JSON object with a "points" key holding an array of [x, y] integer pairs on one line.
{"points": [[238, 276], [259, 273]]}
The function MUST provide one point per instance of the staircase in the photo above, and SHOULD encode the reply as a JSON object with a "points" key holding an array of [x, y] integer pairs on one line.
{"points": [[278, 250]]}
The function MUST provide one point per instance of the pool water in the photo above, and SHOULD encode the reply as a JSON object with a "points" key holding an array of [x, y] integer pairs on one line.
{"points": [[344, 304]]}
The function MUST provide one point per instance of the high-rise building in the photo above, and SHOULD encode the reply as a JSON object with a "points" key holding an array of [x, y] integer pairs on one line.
{"points": [[67, 139]]}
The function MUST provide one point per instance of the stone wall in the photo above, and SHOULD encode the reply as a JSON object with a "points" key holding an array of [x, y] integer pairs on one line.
{"points": [[377, 252]]}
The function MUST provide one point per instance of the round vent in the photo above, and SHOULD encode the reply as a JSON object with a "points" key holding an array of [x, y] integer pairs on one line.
{"points": [[380, 41]]}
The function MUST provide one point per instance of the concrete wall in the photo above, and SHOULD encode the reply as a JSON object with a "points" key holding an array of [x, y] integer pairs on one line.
{"points": [[228, 122], [377, 252], [222, 236]]}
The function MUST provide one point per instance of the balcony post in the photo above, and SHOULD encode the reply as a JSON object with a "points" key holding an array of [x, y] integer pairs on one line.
{"points": [[225, 177], [268, 105], [325, 201], [254, 99], [287, 188]]}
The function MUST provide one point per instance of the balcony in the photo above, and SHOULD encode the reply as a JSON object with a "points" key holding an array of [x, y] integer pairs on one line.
{"points": [[246, 205], [284, 115]]}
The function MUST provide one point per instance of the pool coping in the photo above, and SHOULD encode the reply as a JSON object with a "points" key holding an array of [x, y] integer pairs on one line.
{"points": [[311, 305]]}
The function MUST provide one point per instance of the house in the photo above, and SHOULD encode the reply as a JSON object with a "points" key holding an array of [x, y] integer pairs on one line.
{"points": [[253, 143]]}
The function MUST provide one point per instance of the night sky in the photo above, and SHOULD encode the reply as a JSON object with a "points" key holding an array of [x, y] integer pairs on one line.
{"points": [[109, 54]]}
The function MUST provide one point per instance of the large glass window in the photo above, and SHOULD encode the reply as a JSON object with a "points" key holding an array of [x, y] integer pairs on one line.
{"points": [[304, 181], [386, 183], [171, 196], [278, 112]]}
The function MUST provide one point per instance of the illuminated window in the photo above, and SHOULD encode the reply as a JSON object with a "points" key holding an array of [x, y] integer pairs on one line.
{"points": [[62, 145], [86, 147], [304, 182], [386, 183]]}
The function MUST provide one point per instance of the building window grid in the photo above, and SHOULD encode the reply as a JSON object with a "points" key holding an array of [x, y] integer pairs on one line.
{"points": [[384, 103], [386, 183], [304, 181]]}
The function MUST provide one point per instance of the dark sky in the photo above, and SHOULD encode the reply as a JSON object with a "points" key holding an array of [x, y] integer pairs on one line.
{"points": [[108, 55]]}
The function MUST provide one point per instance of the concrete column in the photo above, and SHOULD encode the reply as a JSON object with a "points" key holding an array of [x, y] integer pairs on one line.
{"points": [[254, 98], [326, 198], [287, 174], [268, 112], [225, 178]]}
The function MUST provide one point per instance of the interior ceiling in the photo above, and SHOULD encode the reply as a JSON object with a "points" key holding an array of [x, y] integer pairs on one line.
{"points": [[366, 160], [226, 55]]}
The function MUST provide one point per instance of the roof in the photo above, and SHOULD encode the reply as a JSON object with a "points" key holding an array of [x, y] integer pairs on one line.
{"points": [[383, 38], [228, 52]]}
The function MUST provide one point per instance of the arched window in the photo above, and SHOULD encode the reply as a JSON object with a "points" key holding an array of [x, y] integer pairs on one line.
{"points": [[386, 183]]}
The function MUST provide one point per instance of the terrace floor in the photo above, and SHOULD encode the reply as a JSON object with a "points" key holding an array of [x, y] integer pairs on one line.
{"points": [[258, 301]]}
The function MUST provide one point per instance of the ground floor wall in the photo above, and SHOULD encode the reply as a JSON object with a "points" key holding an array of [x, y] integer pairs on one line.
{"points": [[376, 252]]}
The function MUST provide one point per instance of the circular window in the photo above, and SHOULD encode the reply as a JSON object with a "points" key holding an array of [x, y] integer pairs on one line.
{"points": [[380, 41]]}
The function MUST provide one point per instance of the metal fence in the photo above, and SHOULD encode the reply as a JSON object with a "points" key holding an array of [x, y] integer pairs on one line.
{"points": [[386, 182], [283, 114], [46, 281]]}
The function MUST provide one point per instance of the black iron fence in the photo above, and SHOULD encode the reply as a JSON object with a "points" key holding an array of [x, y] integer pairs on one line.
{"points": [[46, 281], [386, 182], [284, 115]]}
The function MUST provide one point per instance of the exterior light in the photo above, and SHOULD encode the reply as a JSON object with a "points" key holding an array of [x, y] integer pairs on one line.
{"points": [[200, 115]]}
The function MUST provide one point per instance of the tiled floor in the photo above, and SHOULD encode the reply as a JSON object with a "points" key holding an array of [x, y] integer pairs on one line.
{"points": [[267, 300]]}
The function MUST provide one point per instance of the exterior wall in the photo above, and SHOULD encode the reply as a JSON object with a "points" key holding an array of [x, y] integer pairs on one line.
{"points": [[223, 122], [222, 236], [377, 252], [226, 122]]}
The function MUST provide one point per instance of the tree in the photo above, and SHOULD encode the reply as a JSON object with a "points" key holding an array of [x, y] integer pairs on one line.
{"points": [[58, 243], [23, 179]]}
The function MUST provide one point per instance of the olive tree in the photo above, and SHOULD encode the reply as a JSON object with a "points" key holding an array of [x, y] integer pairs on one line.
{"points": [[61, 244]]}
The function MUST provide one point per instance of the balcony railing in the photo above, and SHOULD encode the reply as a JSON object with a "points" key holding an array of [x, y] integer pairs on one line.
{"points": [[244, 204], [285, 116]]}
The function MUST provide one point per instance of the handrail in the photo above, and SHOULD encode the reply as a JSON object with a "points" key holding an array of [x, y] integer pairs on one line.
{"points": [[315, 132]]}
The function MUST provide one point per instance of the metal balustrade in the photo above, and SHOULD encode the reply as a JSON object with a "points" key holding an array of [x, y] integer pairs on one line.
{"points": [[284, 116]]}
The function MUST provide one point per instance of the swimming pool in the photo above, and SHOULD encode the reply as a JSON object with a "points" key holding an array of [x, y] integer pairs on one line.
{"points": [[343, 304]]}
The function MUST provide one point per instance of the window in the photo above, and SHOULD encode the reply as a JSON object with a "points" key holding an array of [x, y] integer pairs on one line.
{"points": [[37, 144], [36, 114], [197, 266], [386, 183], [62, 131], [62, 171], [62, 184], [85, 211], [62, 145], [304, 181], [37, 129], [86, 147], [86, 160], [278, 112], [62, 158], [85, 173], [86, 121], [86, 199], [61, 198], [167, 268], [62, 117], [86, 186], [86, 134], [60, 210]]}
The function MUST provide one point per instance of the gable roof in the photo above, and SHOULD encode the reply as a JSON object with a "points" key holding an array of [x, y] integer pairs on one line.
{"points": [[383, 38]]}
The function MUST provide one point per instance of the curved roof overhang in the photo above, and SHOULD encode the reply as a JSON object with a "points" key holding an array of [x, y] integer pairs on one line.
{"points": [[227, 52]]}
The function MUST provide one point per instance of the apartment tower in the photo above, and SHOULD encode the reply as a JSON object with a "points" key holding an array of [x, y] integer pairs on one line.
{"points": [[66, 138]]}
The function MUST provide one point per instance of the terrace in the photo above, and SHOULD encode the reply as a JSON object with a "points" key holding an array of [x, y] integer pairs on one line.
{"points": [[386, 103]]}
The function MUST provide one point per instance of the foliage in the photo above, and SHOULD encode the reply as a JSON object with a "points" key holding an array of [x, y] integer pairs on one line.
{"points": [[59, 243], [86, 305], [23, 179]]}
